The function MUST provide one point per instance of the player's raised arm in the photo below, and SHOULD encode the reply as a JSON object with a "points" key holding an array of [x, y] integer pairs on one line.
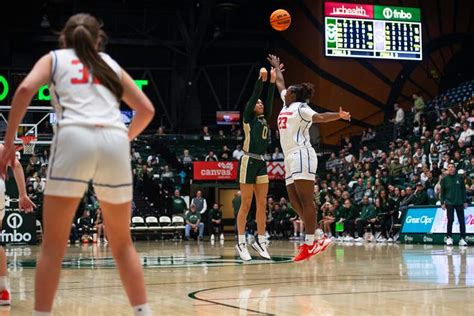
{"points": [[257, 90], [279, 68]]}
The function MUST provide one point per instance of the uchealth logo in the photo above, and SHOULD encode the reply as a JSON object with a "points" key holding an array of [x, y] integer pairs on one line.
{"points": [[14, 221]]}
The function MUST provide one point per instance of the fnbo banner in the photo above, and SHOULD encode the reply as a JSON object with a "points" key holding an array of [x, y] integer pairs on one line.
{"points": [[18, 227]]}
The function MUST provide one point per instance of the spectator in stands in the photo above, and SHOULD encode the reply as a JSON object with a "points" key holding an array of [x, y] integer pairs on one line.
{"points": [[421, 197], [220, 134], [368, 136], [43, 171], [277, 155], [398, 121], [238, 134], [368, 215], [152, 161], [30, 191], [99, 227], [211, 157], [225, 153], [216, 224], [298, 225], [38, 185], [179, 205], [200, 203], [161, 131], [407, 198], [186, 159], [457, 131], [445, 103], [366, 155], [238, 152], [84, 224], [135, 155], [418, 107], [233, 130], [194, 224], [327, 210], [44, 158], [167, 173], [466, 134], [205, 133]]}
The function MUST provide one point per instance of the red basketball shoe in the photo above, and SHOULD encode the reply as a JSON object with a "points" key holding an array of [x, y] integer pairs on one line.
{"points": [[324, 244], [5, 298], [307, 251]]}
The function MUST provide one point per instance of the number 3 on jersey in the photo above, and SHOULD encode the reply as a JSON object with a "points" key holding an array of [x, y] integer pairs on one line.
{"points": [[282, 122], [85, 74]]}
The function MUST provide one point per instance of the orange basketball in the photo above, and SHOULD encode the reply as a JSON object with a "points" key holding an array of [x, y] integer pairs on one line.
{"points": [[280, 20]]}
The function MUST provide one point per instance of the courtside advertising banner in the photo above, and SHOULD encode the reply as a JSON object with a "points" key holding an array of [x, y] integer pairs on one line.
{"points": [[433, 220], [276, 170], [18, 227], [215, 170], [227, 170]]}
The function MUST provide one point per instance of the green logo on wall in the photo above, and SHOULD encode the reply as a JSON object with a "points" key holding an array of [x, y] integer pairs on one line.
{"points": [[396, 13]]}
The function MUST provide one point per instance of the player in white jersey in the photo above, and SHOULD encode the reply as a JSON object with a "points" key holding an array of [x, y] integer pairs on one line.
{"points": [[24, 204], [90, 144], [301, 161]]}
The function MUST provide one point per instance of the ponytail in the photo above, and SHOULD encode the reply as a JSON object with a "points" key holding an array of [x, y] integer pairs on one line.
{"points": [[83, 33]]}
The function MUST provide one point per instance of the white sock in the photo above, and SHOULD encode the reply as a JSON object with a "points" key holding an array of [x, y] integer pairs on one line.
{"points": [[35, 313], [261, 239], [142, 310], [242, 239], [3, 283], [309, 240]]}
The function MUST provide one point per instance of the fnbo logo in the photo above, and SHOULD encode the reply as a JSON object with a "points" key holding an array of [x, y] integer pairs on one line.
{"points": [[389, 13], [14, 221]]}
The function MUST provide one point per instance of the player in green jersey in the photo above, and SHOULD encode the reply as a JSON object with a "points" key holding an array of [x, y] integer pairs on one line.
{"points": [[252, 174]]}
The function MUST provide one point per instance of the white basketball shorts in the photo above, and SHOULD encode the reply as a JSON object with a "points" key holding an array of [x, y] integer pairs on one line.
{"points": [[81, 154], [2, 199], [300, 164]]}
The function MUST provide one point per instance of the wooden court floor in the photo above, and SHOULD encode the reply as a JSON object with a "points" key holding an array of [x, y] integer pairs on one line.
{"points": [[191, 278]]}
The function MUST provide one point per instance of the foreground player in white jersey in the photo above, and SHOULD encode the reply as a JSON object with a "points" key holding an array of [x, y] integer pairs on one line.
{"points": [[90, 143], [301, 162], [24, 204]]}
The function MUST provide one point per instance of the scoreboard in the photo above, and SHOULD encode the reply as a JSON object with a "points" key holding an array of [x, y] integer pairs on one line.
{"points": [[372, 31]]}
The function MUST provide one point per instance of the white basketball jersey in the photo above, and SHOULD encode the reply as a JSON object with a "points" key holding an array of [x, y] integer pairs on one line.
{"points": [[76, 95], [294, 122]]}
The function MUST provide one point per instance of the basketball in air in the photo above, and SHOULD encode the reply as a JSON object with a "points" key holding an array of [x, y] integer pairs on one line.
{"points": [[280, 20]]}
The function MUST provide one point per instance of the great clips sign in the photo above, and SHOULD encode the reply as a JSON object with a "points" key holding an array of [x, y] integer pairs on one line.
{"points": [[376, 12], [348, 10]]}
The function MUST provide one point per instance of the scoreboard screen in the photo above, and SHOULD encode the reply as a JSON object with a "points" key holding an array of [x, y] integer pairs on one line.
{"points": [[372, 31]]}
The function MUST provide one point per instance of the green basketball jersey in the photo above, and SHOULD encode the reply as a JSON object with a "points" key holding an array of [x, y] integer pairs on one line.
{"points": [[256, 127]]}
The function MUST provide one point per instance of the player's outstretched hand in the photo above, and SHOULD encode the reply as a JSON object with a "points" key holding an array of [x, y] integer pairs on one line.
{"points": [[26, 204], [273, 60], [7, 159], [263, 74], [344, 115]]}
